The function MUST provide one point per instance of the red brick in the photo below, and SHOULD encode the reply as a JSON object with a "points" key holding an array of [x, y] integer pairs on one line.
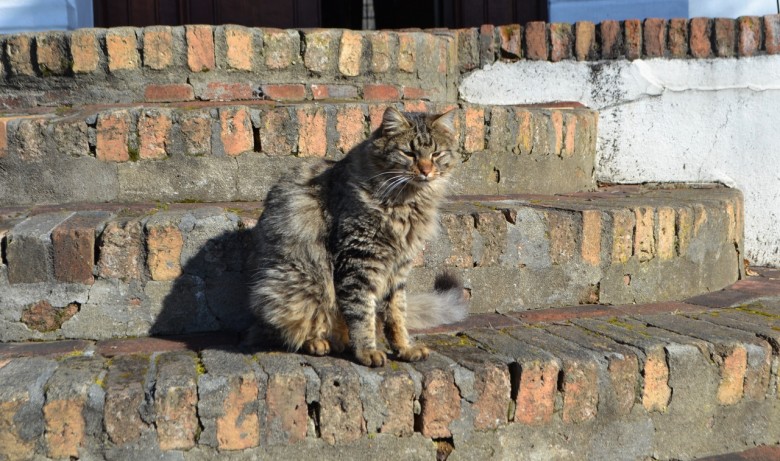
{"points": [[556, 118], [239, 47], [281, 48], [158, 47], [51, 51], [276, 132], [655, 37], [380, 92], [175, 401], [772, 31], [622, 235], [85, 50], [701, 36], [124, 397], [644, 236], [237, 428], [291, 92], [236, 131], [725, 37], [416, 106], [749, 35], [562, 232], [666, 233], [286, 410], [678, 37], [350, 53], [536, 393], [196, 131], [411, 92], [487, 44], [320, 92], [611, 39], [440, 404], [200, 48], [561, 41], [169, 93], [122, 49], [397, 392], [474, 138], [312, 137], [591, 237], [164, 244], [656, 392], [113, 130], [64, 427], [511, 37], [43, 317], [350, 126], [154, 133], [121, 251], [74, 247], [732, 375], [580, 391], [536, 41], [375, 114], [633, 31], [525, 136], [585, 41], [407, 52], [226, 91], [18, 50]]}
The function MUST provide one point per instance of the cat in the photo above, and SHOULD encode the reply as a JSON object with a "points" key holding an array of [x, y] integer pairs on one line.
{"points": [[336, 240]]}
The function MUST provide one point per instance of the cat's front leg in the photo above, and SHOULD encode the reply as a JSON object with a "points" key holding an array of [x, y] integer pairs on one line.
{"points": [[396, 331], [357, 303]]}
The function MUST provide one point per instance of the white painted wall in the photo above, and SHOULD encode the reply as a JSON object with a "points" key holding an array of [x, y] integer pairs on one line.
{"points": [[39, 15], [669, 120]]}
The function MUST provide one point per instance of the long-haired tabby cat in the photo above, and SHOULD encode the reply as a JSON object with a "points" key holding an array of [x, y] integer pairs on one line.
{"points": [[336, 241]]}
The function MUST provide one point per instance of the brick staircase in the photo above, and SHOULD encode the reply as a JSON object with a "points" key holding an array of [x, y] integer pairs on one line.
{"points": [[133, 162]]}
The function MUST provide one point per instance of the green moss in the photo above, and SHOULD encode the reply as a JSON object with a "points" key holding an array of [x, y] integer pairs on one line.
{"points": [[755, 309], [70, 354], [133, 153], [200, 369], [394, 365]]}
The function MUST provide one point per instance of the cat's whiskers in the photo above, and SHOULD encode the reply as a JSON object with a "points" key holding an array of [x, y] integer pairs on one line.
{"points": [[399, 181]]}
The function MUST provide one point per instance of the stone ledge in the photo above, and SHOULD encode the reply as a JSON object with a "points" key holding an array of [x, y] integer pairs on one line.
{"points": [[181, 268], [496, 385]]}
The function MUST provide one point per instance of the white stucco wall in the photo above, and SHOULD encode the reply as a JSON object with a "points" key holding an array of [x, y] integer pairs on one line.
{"points": [[669, 120]]}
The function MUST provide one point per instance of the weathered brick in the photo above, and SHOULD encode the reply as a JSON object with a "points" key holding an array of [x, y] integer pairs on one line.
{"points": [[350, 126], [43, 317], [124, 398], [154, 133], [684, 227], [158, 47], [200, 48], [611, 39], [321, 49], [474, 136], [74, 246], [644, 237], [32, 138], [51, 50], [85, 50], [341, 419], [113, 136], [623, 222], [633, 32], [561, 41], [459, 230], [381, 92], [375, 114], [439, 402], [407, 52], [175, 401], [678, 37], [383, 48], [173, 92], [236, 130], [312, 137], [590, 245], [749, 35], [280, 48], [121, 251], [278, 132], [655, 37], [196, 131], [411, 92], [488, 46], [772, 33], [4, 136], [18, 50], [725, 37], [416, 106], [585, 41], [285, 92], [562, 229], [350, 53], [285, 399], [569, 135], [701, 36], [656, 392], [511, 37], [164, 243], [556, 118], [536, 46], [468, 48], [524, 142], [491, 229], [732, 376], [397, 393], [122, 49], [70, 418], [29, 249], [240, 49], [320, 92], [666, 233], [226, 91]]}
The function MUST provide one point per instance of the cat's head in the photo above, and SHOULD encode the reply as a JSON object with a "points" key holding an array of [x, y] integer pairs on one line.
{"points": [[419, 147]]}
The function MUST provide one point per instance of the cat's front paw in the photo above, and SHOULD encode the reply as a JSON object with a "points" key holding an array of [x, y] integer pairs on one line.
{"points": [[371, 357], [414, 353], [316, 346]]}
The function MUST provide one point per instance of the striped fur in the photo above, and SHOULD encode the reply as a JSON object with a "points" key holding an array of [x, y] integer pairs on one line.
{"points": [[336, 241]]}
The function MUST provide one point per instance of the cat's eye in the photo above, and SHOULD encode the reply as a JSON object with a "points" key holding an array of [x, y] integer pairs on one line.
{"points": [[407, 153], [438, 154]]}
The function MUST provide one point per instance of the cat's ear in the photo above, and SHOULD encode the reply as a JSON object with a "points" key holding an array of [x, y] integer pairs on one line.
{"points": [[445, 121], [394, 122]]}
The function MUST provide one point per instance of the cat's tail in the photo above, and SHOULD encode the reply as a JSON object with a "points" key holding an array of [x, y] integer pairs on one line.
{"points": [[447, 304]]}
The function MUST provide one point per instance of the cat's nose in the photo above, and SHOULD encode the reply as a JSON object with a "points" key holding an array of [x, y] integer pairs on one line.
{"points": [[425, 168]]}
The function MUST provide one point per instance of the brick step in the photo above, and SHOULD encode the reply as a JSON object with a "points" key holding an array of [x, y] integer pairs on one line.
{"points": [[109, 270], [215, 152], [678, 380]]}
